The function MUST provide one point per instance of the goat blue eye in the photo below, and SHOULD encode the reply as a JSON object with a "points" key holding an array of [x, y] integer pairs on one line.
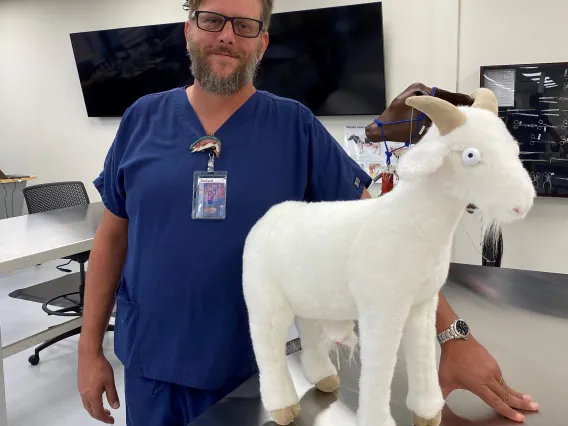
{"points": [[471, 156]]}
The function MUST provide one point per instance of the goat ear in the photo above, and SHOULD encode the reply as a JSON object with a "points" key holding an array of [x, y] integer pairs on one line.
{"points": [[421, 160]]}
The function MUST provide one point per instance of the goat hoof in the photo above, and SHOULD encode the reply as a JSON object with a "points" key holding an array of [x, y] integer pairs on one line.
{"points": [[420, 421], [285, 416], [329, 384]]}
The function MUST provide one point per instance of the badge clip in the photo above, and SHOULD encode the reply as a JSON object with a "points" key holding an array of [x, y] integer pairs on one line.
{"points": [[208, 142]]}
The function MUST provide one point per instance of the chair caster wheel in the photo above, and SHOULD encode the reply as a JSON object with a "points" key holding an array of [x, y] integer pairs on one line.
{"points": [[34, 359]]}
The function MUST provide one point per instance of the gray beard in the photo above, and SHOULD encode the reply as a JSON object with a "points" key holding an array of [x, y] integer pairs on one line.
{"points": [[223, 86]]}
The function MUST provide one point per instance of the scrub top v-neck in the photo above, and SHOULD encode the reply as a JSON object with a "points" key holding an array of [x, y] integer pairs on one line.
{"points": [[181, 316], [230, 125]]}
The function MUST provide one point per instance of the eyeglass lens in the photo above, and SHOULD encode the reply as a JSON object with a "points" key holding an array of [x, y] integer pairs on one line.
{"points": [[209, 21]]}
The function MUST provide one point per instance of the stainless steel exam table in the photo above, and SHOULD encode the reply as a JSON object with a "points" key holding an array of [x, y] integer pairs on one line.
{"points": [[521, 317]]}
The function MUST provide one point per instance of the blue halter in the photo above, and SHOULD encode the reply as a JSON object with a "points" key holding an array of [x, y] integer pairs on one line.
{"points": [[406, 144]]}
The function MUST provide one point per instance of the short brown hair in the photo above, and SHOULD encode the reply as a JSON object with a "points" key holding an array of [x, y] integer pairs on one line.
{"points": [[267, 6]]}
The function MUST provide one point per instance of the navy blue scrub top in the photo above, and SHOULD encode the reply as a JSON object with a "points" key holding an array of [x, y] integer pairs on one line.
{"points": [[181, 316]]}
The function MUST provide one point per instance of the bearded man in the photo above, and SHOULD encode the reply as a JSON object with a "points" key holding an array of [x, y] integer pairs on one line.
{"points": [[188, 174]]}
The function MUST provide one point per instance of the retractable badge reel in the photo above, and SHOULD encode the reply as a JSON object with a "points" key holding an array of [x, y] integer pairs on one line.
{"points": [[209, 187]]}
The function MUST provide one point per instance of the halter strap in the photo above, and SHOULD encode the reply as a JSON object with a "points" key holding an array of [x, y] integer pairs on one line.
{"points": [[407, 143]]}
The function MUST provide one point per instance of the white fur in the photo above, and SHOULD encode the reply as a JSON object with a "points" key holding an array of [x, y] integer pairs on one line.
{"points": [[380, 261]]}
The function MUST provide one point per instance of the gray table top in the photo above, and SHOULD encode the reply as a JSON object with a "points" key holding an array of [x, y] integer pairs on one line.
{"points": [[519, 316], [31, 239]]}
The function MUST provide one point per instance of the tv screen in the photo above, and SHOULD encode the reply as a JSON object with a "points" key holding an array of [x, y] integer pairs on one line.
{"points": [[330, 59]]}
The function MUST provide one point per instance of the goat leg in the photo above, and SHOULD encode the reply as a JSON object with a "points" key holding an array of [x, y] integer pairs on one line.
{"points": [[317, 366], [425, 399], [270, 320], [380, 335]]}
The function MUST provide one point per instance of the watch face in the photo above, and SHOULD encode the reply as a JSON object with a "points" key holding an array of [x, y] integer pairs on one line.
{"points": [[462, 328]]}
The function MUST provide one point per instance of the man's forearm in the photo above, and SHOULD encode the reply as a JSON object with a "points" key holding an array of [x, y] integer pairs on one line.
{"points": [[105, 265], [445, 315]]}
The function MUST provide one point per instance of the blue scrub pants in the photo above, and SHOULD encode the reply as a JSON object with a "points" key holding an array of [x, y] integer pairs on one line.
{"points": [[154, 403]]}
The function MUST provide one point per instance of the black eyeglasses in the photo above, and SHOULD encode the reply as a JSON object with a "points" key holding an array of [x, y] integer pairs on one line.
{"points": [[215, 22]]}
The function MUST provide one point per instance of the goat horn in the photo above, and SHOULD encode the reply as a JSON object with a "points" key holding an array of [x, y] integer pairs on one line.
{"points": [[444, 115], [485, 99]]}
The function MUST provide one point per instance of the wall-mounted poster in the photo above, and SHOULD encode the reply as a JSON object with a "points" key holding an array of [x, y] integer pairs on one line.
{"points": [[533, 103], [371, 156]]}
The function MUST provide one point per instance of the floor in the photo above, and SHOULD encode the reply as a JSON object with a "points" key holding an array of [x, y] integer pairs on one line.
{"points": [[47, 393]]}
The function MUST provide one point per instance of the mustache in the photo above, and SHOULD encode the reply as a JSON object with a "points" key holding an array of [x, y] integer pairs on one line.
{"points": [[223, 50]]}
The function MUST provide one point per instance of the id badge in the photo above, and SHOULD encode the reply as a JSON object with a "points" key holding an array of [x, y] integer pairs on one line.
{"points": [[209, 195]]}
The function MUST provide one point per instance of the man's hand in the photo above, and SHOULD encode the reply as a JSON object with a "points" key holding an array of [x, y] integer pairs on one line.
{"points": [[106, 262], [466, 364], [95, 378]]}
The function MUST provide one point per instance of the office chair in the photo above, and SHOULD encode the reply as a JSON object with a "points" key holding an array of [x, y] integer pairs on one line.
{"points": [[54, 196]]}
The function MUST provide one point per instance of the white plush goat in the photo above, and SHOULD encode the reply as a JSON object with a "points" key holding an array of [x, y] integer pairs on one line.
{"points": [[380, 261]]}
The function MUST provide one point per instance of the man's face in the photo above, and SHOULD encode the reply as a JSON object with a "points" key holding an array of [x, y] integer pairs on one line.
{"points": [[224, 62]]}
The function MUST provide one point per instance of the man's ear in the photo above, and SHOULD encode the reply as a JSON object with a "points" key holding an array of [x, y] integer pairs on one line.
{"points": [[265, 40], [421, 160], [186, 28]]}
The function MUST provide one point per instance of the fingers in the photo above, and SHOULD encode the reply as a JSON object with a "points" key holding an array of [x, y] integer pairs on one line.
{"points": [[94, 406], [514, 399], [100, 413], [522, 396], [493, 400], [112, 395]]}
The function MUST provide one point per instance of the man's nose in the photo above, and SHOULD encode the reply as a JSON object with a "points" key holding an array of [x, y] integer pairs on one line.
{"points": [[227, 35]]}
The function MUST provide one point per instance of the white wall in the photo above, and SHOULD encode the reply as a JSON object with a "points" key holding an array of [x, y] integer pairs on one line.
{"points": [[511, 32], [44, 129]]}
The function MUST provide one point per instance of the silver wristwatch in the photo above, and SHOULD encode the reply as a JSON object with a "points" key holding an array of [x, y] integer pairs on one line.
{"points": [[458, 330]]}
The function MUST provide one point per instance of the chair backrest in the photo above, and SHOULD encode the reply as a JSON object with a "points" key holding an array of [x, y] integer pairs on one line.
{"points": [[53, 196]]}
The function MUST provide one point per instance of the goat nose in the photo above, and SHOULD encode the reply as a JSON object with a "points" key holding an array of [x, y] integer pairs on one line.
{"points": [[517, 210]]}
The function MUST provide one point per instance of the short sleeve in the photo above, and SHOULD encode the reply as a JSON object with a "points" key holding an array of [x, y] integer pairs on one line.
{"points": [[110, 182], [333, 174]]}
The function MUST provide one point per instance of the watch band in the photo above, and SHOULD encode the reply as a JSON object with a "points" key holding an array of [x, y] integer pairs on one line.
{"points": [[446, 335], [451, 333]]}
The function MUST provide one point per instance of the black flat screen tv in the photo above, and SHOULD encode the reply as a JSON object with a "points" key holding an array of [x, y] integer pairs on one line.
{"points": [[329, 59]]}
